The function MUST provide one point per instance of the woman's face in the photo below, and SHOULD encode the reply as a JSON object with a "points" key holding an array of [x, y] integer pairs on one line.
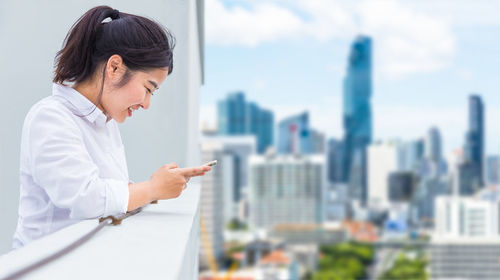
{"points": [[121, 102]]}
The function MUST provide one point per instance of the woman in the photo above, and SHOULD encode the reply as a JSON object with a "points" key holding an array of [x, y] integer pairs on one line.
{"points": [[73, 164]]}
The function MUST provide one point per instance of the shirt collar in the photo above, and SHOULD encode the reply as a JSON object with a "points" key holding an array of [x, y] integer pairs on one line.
{"points": [[81, 106]]}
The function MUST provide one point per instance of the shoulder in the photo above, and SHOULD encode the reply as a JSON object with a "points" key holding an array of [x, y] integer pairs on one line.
{"points": [[47, 106], [49, 114]]}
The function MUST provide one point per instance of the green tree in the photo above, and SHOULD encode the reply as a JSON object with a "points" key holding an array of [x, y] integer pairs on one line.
{"points": [[405, 268], [345, 260]]}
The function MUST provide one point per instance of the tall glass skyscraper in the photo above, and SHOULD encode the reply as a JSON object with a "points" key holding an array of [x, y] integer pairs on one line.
{"points": [[433, 151], [474, 142], [433, 164], [335, 155], [357, 118], [235, 116]]}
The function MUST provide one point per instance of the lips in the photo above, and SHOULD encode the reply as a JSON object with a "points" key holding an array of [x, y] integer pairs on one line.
{"points": [[131, 110]]}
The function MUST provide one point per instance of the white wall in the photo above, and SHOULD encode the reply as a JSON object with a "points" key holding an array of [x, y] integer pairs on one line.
{"points": [[31, 32]]}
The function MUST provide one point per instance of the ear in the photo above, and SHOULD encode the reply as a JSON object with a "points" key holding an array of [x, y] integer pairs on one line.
{"points": [[115, 67]]}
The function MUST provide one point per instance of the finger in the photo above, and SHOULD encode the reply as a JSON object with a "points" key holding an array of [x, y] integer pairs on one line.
{"points": [[171, 165], [193, 171]]}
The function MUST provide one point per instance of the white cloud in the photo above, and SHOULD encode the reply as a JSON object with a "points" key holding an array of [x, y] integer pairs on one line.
{"points": [[406, 41], [238, 26], [269, 22], [461, 12], [328, 19]]}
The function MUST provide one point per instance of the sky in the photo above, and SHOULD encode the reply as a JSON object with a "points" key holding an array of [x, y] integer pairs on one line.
{"points": [[291, 55]]}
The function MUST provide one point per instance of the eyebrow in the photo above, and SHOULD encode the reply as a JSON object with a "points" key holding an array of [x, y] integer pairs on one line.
{"points": [[153, 83]]}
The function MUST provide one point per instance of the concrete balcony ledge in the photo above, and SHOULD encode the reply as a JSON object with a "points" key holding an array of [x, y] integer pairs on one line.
{"points": [[162, 241]]}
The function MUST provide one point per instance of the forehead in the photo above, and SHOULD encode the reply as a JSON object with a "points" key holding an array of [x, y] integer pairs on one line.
{"points": [[156, 76]]}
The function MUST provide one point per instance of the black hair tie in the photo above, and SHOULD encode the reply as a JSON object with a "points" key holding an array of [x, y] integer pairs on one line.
{"points": [[115, 14]]}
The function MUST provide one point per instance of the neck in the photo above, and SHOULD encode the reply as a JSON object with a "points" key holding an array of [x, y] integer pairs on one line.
{"points": [[91, 91]]}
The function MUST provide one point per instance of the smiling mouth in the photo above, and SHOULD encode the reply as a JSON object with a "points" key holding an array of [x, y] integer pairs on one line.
{"points": [[131, 110]]}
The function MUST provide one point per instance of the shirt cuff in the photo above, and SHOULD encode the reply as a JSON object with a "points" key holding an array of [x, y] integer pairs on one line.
{"points": [[116, 197]]}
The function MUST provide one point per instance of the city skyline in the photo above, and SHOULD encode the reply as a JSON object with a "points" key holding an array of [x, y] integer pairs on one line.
{"points": [[291, 73]]}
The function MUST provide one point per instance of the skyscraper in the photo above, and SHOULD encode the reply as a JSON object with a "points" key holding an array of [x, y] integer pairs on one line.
{"points": [[231, 114], [260, 122], [412, 155], [468, 179], [287, 189], [422, 201], [235, 116], [433, 145], [433, 164], [357, 118], [335, 154], [296, 136], [474, 142]]}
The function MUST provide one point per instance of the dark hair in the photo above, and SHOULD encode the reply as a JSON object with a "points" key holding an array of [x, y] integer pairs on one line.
{"points": [[142, 43]]}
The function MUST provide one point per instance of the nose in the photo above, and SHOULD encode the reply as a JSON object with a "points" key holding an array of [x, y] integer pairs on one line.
{"points": [[146, 101]]}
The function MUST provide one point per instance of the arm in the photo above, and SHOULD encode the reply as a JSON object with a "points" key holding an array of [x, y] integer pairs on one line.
{"points": [[139, 194]]}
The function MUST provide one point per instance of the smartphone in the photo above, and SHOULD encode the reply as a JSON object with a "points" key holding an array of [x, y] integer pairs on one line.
{"points": [[211, 163]]}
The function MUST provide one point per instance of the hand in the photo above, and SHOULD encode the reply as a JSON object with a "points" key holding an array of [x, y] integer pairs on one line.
{"points": [[169, 180]]}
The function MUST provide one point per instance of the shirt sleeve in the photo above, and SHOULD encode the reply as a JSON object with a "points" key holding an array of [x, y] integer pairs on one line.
{"points": [[62, 166]]}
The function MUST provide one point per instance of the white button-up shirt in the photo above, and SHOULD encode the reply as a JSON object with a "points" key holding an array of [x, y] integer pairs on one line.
{"points": [[72, 165]]}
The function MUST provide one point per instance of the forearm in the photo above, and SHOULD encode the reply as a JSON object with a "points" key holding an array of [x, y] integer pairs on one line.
{"points": [[139, 194]]}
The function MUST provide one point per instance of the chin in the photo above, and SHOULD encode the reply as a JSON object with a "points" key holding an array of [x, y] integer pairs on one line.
{"points": [[120, 119]]}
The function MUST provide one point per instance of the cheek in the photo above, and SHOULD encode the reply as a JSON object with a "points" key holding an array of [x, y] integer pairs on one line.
{"points": [[134, 96]]}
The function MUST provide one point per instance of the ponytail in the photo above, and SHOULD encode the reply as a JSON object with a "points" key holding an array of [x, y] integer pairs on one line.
{"points": [[142, 43]]}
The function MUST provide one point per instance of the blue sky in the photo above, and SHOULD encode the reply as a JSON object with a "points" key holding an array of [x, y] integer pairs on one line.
{"points": [[290, 56]]}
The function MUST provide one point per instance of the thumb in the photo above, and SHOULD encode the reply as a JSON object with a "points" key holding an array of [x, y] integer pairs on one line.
{"points": [[171, 165]]}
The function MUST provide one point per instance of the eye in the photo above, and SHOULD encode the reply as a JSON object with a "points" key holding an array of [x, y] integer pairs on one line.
{"points": [[149, 91]]}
